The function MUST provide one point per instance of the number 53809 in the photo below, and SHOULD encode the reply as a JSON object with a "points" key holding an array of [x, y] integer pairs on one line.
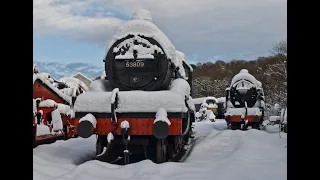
{"points": [[134, 64]]}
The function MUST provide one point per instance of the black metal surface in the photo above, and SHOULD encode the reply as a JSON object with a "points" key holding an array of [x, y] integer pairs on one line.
{"points": [[85, 129], [160, 129], [155, 74], [250, 97]]}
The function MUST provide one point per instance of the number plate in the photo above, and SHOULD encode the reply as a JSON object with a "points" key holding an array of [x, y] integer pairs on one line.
{"points": [[134, 64]]}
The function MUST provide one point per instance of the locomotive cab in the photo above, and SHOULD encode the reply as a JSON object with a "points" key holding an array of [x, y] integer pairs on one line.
{"points": [[188, 74]]}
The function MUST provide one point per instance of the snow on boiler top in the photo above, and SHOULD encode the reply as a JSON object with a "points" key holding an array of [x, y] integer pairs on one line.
{"points": [[244, 74], [141, 24]]}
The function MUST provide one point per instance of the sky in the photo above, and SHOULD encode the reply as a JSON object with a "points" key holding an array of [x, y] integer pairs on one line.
{"points": [[77, 31]]}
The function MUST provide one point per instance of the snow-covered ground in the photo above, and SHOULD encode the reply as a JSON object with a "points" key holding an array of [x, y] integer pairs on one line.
{"points": [[226, 154]]}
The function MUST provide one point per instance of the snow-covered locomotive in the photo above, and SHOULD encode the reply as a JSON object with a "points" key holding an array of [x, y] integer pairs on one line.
{"points": [[144, 105], [244, 101]]}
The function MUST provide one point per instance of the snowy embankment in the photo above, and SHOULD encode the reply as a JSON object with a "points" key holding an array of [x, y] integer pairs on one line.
{"points": [[272, 128], [232, 155], [206, 125], [53, 160]]}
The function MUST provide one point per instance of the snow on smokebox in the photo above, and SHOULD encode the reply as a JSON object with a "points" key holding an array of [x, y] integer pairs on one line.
{"points": [[143, 51], [244, 74], [142, 14], [162, 115], [89, 117], [141, 24]]}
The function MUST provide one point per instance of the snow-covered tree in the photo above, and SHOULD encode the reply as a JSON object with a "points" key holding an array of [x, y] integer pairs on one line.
{"points": [[276, 78], [206, 86], [220, 86], [203, 86]]}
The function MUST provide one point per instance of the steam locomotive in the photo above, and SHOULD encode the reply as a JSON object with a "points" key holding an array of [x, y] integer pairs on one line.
{"points": [[143, 105], [244, 102]]}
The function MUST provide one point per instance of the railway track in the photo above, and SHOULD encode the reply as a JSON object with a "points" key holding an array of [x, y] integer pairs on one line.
{"points": [[181, 157], [189, 148]]}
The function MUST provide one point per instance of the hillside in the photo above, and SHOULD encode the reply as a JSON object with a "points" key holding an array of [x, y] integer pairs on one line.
{"points": [[211, 79]]}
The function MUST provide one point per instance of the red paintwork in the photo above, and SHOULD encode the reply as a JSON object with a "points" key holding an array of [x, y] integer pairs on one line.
{"points": [[40, 90], [138, 126], [66, 120], [250, 118]]}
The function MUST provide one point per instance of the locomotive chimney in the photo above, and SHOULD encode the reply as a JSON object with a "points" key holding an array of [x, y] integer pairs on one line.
{"points": [[161, 124], [86, 126]]}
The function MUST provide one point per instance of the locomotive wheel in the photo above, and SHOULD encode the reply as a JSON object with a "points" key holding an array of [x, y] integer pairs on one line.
{"points": [[161, 151], [257, 126], [254, 125], [233, 126]]}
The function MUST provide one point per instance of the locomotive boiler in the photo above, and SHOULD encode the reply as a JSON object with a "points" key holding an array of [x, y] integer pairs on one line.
{"points": [[244, 102], [143, 106]]}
